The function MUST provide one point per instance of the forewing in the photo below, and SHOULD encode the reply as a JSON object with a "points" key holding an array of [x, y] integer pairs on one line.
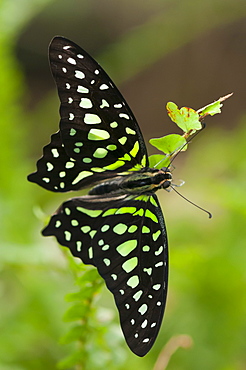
{"points": [[59, 173], [97, 128], [126, 240]]}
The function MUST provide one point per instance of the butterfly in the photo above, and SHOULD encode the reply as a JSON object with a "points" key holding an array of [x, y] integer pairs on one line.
{"points": [[118, 226]]}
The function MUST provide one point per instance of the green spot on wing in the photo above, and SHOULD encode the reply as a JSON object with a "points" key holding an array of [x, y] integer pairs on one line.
{"points": [[69, 165], [49, 166], [111, 147], [133, 281], [72, 132], [137, 295], [148, 270], [58, 223], [100, 153], [105, 228], [67, 235], [81, 176], [97, 169], [135, 149], [130, 264], [132, 229], [156, 235], [109, 212], [130, 131], [114, 166], [153, 201], [156, 286], [122, 140], [92, 233], [79, 245], [151, 215], [87, 160], [140, 212], [123, 210], [143, 198], [120, 229], [159, 251], [90, 253], [82, 89], [143, 309], [143, 161], [104, 104], [127, 247], [126, 157], [85, 229], [145, 230], [89, 212], [97, 134], [106, 261], [92, 119], [85, 103], [114, 124]]}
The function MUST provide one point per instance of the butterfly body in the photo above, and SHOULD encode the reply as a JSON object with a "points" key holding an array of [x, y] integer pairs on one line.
{"points": [[119, 226], [144, 181]]}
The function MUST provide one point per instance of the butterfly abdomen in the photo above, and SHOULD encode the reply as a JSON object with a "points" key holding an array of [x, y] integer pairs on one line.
{"points": [[144, 181]]}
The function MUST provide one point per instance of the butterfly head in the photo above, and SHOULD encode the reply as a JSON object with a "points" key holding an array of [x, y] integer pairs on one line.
{"points": [[166, 177]]}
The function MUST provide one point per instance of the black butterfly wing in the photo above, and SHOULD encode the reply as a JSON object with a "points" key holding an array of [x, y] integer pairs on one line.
{"points": [[125, 238], [59, 173], [98, 131]]}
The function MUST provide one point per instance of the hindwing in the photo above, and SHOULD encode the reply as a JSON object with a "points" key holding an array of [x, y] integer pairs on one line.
{"points": [[123, 239]]}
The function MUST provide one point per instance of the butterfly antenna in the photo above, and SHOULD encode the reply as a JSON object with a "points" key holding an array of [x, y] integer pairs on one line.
{"points": [[194, 204]]}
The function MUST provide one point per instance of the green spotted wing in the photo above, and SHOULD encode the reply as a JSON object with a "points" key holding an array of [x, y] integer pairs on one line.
{"points": [[125, 238], [98, 131]]}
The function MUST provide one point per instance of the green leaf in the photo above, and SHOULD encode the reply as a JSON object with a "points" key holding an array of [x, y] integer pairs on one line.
{"points": [[82, 295], [169, 144], [158, 161], [76, 312], [90, 277], [186, 118], [74, 359], [76, 333], [213, 108]]}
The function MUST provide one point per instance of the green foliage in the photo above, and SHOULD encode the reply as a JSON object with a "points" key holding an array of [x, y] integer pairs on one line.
{"points": [[213, 108], [158, 161], [169, 143], [87, 331], [185, 118], [189, 121]]}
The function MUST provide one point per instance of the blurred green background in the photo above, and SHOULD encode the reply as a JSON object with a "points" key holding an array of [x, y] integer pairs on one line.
{"points": [[190, 52]]}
